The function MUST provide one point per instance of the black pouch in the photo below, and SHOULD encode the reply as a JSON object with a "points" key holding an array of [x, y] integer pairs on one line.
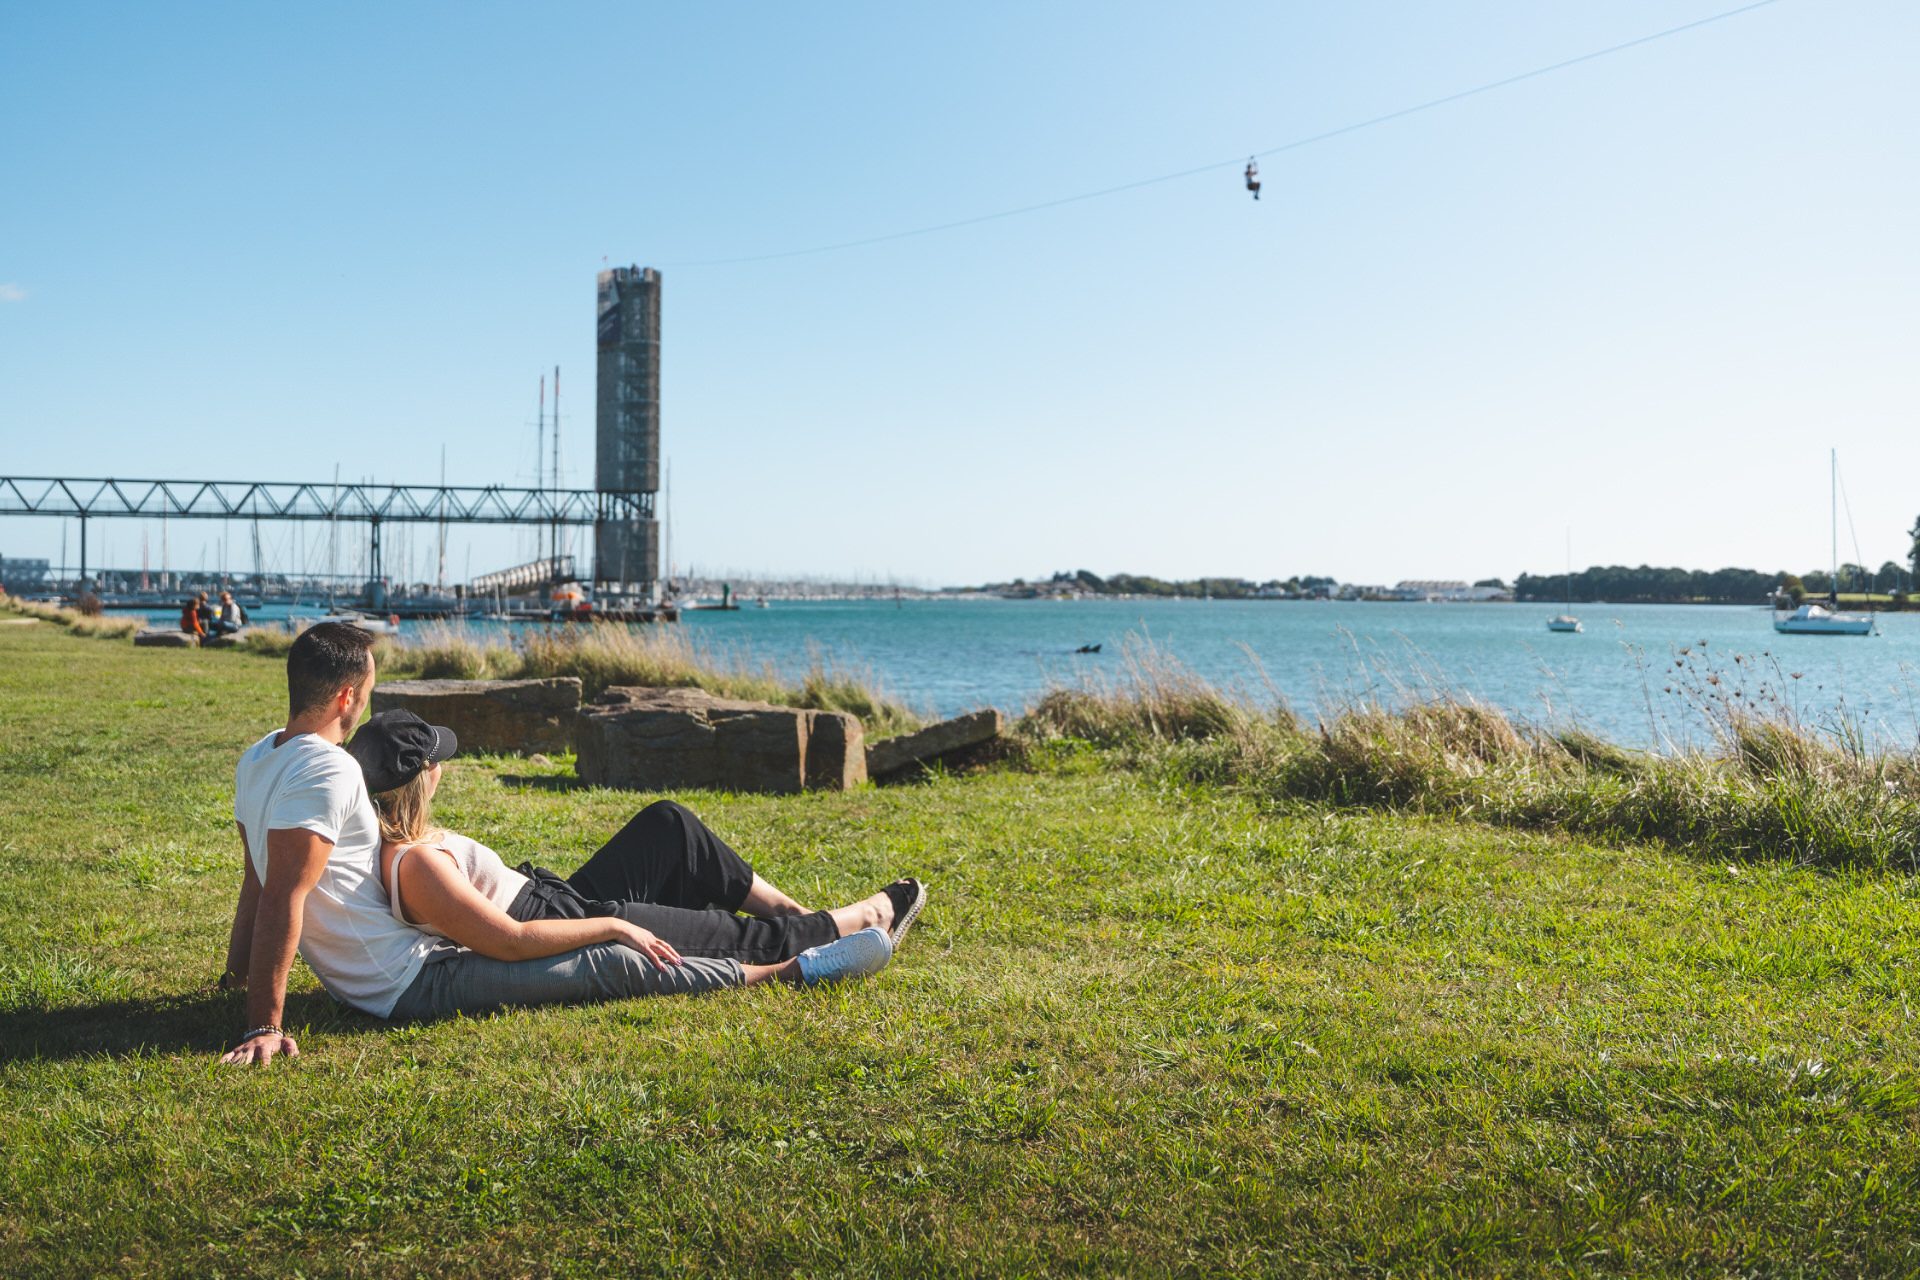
{"points": [[549, 897]]}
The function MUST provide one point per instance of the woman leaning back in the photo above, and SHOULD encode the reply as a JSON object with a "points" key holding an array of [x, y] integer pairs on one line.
{"points": [[653, 912]]}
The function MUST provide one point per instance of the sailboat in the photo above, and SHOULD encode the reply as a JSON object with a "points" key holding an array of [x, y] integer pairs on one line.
{"points": [[1827, 620], [1566, 621]]}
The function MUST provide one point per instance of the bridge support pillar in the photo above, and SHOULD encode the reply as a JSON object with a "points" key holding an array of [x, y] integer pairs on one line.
{"points": [[376, 572]]}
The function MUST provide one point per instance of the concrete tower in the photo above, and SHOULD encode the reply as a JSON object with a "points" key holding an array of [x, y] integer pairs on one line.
{"points": [[626, 470]]}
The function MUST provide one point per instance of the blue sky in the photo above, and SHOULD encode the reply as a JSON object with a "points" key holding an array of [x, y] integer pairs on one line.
{"points": [[1639, 298]]}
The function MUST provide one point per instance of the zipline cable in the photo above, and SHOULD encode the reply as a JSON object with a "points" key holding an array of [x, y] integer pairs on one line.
{"points": [[1295, 145]]}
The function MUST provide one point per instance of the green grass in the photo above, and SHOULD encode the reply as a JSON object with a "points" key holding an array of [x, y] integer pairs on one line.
{"points": [[1148, 1025]]}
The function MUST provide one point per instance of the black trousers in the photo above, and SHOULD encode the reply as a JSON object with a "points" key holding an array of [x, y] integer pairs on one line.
{"points": [[667, 872]]}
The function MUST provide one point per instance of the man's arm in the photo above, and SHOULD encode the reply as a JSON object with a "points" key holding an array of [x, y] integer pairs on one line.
{"points": [[295, 859], [240, 937]]}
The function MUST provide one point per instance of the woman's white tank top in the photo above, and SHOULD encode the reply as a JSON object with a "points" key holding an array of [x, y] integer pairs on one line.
{"points": [[496, 881]]}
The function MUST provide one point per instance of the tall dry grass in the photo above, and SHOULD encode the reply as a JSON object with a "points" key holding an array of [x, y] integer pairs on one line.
{"points": [[1764, 785], [94, 625], [604, 655], [1153, 698]]}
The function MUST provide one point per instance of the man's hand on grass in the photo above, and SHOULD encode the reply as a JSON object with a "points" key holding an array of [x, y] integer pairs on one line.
{"points": [[261, 1050]]}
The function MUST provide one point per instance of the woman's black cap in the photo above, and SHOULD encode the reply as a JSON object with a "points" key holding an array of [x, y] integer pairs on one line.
{"points": [[394, 747]]}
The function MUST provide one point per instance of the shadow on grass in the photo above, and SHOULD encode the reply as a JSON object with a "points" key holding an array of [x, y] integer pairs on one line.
{"points": [[961, 762], [542, 782], [203, 1022]]}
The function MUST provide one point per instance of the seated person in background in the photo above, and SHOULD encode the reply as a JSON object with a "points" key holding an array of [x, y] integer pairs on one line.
{"points": [[229, 617], [665, 886], [190, 619]]}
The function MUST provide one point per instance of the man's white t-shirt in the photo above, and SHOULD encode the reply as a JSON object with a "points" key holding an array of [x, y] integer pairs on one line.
{"points": [[348, 936]]}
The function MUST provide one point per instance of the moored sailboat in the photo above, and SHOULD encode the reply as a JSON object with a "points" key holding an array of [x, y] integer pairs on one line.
{"points": [[1566, 621], [1827, 619]]}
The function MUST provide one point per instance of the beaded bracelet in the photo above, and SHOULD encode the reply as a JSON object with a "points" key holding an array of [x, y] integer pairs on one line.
{"points": [[261, 1031]]}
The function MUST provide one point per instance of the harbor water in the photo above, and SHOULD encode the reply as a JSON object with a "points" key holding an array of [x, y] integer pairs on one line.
{"points": [[1640, 674]]}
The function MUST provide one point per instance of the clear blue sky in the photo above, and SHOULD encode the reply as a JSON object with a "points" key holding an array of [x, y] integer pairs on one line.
{"points": [[1640, 297]]}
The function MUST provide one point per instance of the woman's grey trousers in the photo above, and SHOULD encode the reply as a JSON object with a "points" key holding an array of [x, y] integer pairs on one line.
{"points": [[456, 980]]}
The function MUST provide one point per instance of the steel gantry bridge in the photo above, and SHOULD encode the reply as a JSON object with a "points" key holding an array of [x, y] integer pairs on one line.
{"points": [[97, 498]]}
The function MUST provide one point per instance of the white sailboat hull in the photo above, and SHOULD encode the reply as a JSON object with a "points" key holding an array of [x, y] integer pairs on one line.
{"points": [[1812, 620]]}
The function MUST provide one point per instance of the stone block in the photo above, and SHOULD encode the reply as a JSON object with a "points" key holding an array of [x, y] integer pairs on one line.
{"points": [[231, 640], [163, 638], [896, 755], [515, 717], [676, 739], [836, 751]]}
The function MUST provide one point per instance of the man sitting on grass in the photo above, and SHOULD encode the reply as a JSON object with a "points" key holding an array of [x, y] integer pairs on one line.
{"points": [[311, 883]]}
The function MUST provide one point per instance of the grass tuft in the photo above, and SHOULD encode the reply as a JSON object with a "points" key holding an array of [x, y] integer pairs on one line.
{"points": [[1767, 785], [90, 622], [1154, 698]]}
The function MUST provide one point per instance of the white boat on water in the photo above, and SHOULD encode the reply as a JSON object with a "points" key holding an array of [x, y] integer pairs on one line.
{"points": [[1566, 621], [1818, 620], [1827, 619]]}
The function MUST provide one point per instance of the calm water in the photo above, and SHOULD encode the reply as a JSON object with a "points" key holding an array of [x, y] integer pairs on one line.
{"points": [[1618, 679]]}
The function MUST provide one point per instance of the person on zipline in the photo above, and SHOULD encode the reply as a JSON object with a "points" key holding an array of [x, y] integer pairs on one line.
{"points": [[1253, 177]]}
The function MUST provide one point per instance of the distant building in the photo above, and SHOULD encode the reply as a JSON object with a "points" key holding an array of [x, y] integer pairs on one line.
{"points": [[24, 575], [1444, 589]]}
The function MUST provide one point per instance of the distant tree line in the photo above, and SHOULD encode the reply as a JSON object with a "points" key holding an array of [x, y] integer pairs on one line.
{"points": [[1133, 584], [1646, 584]]}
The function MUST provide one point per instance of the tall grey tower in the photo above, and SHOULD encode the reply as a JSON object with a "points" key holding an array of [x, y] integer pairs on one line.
{"points": [[626, 469]]}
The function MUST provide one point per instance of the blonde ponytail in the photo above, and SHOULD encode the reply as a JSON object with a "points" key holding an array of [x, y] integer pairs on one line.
{"points": [[406, 812]]}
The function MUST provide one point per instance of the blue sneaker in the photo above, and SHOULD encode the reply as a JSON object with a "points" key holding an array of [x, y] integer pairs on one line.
{"points": [[858, 955]]}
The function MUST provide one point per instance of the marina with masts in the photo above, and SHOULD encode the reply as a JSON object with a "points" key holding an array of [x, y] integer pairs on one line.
{"points": [[624, 584]]}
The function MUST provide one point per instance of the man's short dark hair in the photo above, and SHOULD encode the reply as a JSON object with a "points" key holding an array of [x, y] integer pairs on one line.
{"points": [[325, 658]]}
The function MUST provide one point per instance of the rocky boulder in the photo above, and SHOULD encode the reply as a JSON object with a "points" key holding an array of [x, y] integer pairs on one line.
{"points": [[683, 739], [891, 757], [836, 751], [514, 717], [230, 640], [162, 638]]}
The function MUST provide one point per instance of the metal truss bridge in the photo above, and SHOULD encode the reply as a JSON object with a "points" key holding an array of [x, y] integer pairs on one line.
{"points": [[95, 498], [271, 500]]}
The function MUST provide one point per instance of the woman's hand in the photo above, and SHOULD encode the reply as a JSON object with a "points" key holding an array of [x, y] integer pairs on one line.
{"points": [[647, 943]]}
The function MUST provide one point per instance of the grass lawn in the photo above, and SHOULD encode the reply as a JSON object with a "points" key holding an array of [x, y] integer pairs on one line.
{"points": [[1143, 1027]]}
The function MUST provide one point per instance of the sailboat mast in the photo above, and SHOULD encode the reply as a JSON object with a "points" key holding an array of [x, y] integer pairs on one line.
{"points": [[553, 475], [440, 574], [540, 456], [1833, 513], [333, 537]]}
